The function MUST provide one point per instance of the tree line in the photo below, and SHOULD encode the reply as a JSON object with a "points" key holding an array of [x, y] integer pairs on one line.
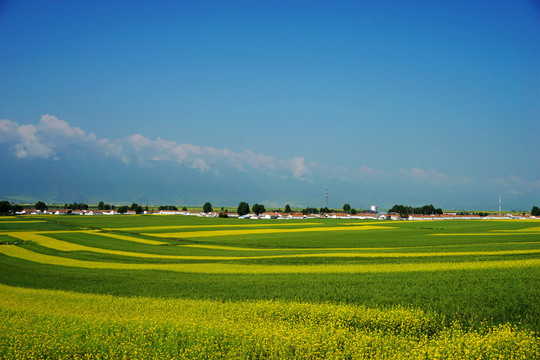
{"points": [[244, 209], [405, 211], [7, 208], [170, 207]]}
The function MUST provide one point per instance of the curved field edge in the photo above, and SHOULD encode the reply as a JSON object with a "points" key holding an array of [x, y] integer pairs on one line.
{"points": [[55, 324], [220, 268], [52, 243]]}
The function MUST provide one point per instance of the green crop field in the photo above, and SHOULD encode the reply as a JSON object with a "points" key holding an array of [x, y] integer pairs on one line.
{"points": [[166, 287]]}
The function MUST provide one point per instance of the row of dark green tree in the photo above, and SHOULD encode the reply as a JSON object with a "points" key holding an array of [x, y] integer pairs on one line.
{"points": [[405, 211], [171, 207], [7, 208], [134, 207], [103, 206], [479, 213], [80, 206], [244, 209]]}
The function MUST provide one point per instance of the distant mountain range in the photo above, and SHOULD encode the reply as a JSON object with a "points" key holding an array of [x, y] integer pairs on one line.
{"points": [[79, 174]]}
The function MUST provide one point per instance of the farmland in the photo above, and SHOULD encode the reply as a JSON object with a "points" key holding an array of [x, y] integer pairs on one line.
{"points": [[187, 287]]}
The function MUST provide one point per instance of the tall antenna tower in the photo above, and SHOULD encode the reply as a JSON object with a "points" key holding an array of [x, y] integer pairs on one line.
{"points": [[499, 204], [326, 203]]}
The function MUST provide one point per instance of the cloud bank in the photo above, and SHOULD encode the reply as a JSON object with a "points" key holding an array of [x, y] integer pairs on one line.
{"points": [[44, 139], [205, 158], [51, 136]]}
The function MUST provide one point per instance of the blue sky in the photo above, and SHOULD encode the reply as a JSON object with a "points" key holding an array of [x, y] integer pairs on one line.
{"points": [[382, 102]]}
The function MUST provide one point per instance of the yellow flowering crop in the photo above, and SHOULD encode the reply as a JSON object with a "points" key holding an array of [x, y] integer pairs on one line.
{"points": [[237, 248], [220, 268], [49, 231], [512, 232], [379, 254], [131, 238], [7, 221], [535, 229], [244, 225], [68, 246], [60, 245], [192, 234], [38, 324], [49, 324]]}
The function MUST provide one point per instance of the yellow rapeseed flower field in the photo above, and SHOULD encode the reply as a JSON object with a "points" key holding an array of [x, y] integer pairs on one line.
{"points": [[165, 227], [221, 268], [39, 324], [238, 248], [7, 221], [54, 324], [132, 238], [60, 245], [534, 229], [193, 234], [369, 249]]}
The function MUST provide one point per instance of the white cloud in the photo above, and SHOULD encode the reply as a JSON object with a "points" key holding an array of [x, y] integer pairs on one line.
{"points": [[415, 173], [161, 157], [200, 164], [27, 143], [8, 130], [139, 142], [298, 168], [204, 158], [434, 177], [41, 140], [52, 124], [44, 139], [367, 172], [257, 161], [430, 176], [516, 183]]}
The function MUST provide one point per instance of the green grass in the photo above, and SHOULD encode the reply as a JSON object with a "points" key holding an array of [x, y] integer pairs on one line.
{"points": [[477, 299]]}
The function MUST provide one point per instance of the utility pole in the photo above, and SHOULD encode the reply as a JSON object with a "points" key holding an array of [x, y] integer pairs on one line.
{"points": [[326, 203]]}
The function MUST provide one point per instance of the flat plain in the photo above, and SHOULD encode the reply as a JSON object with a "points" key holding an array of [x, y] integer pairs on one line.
{"points": [[159, 287]]}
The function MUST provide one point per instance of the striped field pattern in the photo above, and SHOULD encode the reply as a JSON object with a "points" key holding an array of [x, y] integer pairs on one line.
{"points": [[231, 289]]}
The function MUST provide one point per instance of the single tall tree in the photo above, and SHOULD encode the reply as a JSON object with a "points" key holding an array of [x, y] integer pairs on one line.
{"points": [[243, 208], [207, 207], [258, 209], [5, 207], [123, 209], [40, 205]]}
